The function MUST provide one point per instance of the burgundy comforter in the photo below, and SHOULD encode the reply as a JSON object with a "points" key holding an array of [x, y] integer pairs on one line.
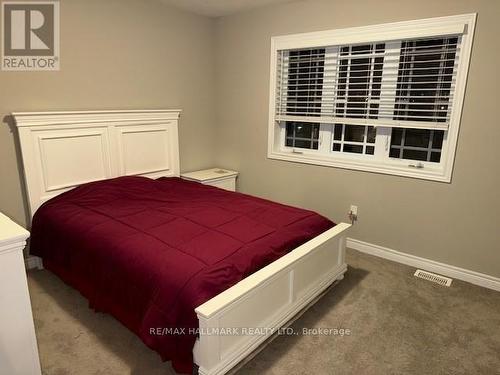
{"points": [[150, 251]]}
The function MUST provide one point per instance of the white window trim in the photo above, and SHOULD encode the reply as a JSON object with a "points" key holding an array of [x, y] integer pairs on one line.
{"points": [[399, 30]]}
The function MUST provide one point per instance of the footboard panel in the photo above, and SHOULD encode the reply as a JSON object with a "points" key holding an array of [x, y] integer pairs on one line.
{"points": [[237, 321]]}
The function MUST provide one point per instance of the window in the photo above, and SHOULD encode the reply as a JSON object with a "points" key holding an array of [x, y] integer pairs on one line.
{"points": [[302, 135], [384, 98]]}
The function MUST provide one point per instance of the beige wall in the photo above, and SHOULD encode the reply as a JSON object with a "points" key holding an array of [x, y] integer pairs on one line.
{"points": [[118, 54], [455, 223]]}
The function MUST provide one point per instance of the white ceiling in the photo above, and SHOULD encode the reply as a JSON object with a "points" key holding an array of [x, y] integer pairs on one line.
{"points": [[217, 8]]}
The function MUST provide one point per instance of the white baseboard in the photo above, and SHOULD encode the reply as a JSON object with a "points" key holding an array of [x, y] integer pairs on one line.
{"points": [[33, 262], [469, 276]]}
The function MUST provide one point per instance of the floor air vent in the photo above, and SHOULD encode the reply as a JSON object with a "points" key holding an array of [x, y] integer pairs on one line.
{"points": [[435, 278]]}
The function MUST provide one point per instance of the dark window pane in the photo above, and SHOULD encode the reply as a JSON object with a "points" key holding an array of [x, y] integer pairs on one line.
{"points": [[354, 133], [303, 135], [417, 138], [435, 157], [303, 130], [357, 149], [337, 135], [394, 153], [437, 140], [396, 137], [414, 155], [414, 144]]}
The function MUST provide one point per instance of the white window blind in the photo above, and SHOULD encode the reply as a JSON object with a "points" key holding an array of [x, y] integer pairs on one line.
{"points": [[408, 83]]}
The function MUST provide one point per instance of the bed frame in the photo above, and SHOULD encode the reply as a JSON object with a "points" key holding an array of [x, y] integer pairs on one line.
{"points": [[62, 150]]}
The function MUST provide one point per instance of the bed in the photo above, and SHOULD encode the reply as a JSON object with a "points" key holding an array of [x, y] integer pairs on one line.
{"points": [[179, 263]]}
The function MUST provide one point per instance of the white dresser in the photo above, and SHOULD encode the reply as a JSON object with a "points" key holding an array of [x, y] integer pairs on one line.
{"points": [[18, 346], [218, 177]]}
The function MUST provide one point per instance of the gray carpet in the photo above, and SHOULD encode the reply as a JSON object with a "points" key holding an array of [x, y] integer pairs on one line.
{"points": [[399, 325]]}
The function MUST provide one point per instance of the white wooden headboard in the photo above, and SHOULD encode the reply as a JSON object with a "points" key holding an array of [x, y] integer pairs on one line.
{"points": [[62, 150]]}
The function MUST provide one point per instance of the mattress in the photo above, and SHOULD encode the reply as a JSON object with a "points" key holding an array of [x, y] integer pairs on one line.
{"points": [[150, 251]]}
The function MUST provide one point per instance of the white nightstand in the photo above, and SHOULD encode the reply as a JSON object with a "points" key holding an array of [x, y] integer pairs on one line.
{"points": [[218, 177], [20, 355]]}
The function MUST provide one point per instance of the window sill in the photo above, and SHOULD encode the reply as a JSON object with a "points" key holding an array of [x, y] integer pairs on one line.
{"points": [[367, 166]]}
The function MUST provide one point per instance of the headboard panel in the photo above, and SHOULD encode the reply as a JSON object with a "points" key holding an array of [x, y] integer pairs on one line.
{"points": [[62, 150]]}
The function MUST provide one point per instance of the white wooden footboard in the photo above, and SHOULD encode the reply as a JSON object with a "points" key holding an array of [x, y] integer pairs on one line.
{"points": [[238, 320]]}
